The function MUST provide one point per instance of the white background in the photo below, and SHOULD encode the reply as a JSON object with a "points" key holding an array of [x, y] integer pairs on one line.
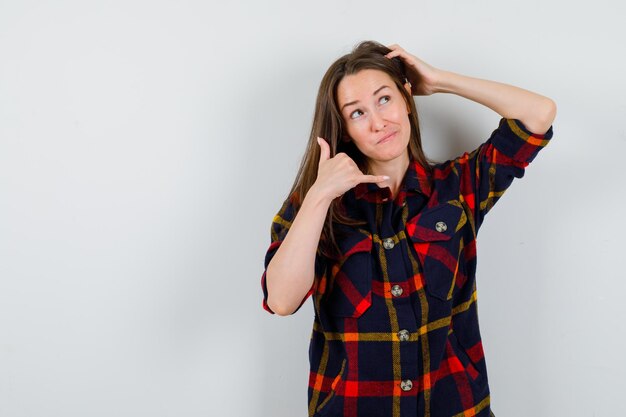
{"points": [[146, 145]]}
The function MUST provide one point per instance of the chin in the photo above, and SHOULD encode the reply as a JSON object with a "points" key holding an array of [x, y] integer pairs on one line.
{"points": [[388, 156]]}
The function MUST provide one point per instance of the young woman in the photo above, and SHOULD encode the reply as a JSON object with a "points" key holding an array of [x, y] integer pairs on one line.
{"points": [[385, 242]]}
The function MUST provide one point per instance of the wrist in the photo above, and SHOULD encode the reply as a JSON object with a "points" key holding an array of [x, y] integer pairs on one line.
{"points": [[439, 81], [445, 82], [318, 197]]}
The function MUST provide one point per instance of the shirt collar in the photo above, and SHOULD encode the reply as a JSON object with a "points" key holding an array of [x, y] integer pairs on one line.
{"points": [[416, 179]]}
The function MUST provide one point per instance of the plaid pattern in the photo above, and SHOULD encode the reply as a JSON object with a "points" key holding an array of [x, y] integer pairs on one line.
{"points": [[396, 327]]}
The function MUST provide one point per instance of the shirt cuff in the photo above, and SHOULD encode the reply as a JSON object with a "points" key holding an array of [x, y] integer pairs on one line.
{"points": [[514, 140], [268, 257]]}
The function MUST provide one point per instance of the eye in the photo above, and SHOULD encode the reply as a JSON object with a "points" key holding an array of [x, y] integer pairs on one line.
{"points": [[384, 99], [355, 114]]}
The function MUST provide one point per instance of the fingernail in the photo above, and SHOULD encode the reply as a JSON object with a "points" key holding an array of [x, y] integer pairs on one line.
{"points": [[385, 177]]}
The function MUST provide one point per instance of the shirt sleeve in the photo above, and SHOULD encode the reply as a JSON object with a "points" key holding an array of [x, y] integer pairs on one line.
{"points": [[488, 171], [280, 226]]}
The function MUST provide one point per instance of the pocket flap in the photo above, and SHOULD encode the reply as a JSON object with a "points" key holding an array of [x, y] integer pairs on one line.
{"points": [[437, 242], [436, 224]]}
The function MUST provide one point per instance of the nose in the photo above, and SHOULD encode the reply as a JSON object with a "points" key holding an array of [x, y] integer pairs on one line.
{"points": [[377, 121]]}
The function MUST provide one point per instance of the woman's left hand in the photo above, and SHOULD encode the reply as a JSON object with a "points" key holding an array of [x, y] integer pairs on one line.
{"points": [[423, 77]]}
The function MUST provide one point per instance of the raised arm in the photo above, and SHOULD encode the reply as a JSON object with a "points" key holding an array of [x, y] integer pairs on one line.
{"points": [[290, 274], [535, 111]]}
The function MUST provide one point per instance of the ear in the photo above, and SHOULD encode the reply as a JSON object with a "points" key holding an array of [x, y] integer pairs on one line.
{"points": [[407, 87]]}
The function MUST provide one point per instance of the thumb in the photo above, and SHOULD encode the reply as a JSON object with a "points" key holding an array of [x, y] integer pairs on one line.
{"points": [[324, 149]]}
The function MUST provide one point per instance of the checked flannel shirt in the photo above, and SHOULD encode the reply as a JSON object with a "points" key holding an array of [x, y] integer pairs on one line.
{"points": [[396, 329]]}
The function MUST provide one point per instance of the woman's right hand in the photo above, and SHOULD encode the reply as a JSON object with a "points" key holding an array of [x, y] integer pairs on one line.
{"points": [[339, 174]]}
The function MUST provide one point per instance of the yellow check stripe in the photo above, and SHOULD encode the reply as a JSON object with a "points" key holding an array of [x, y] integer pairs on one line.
{"points": [[279, 220], [393, 337], [466, 305], [492, 195], [317, 386], [533, 140], [471, 412]]}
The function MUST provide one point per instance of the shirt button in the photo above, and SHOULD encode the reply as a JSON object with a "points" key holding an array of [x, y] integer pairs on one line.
{"points": [[388, 243], [441, 227], [403, 335], [396, 290], [406, 385]]}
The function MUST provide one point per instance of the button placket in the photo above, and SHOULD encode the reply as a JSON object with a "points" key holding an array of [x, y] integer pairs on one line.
{"points": [[406, 385], [404, 335], [396, 290]]}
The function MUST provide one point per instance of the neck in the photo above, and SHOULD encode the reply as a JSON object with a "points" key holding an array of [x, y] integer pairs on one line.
{"points": [[394, 169]]}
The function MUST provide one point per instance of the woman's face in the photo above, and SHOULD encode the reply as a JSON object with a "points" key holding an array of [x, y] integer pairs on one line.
{"points": [[375, 114]]}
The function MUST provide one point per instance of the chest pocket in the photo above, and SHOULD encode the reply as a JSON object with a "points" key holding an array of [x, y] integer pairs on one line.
{"points": [[437, 239], [351, 276]]}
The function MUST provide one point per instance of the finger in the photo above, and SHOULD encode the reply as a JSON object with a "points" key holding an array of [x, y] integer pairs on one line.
{"points": [[324, 149], [395, 50], [374, 178], [394, 54]]}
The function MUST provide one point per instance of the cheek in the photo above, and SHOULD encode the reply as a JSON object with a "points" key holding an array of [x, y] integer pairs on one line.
{"points": [[403, 119], [356, 131], [401, 114]]}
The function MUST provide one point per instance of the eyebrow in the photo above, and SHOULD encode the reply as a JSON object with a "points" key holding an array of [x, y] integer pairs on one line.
{"points": [[356, 101]]}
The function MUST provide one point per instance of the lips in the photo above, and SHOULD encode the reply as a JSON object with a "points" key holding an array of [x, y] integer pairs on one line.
{"points": [[387, 138]]}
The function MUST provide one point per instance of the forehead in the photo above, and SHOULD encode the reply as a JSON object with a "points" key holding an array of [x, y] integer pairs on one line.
{"points": [[361, 85]]}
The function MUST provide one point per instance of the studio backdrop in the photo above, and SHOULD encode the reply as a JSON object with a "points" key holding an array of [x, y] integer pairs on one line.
{"points": [[145, 147]]}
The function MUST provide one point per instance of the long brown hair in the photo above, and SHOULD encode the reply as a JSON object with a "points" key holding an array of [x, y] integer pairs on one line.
{"points": [[328, 124]]}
